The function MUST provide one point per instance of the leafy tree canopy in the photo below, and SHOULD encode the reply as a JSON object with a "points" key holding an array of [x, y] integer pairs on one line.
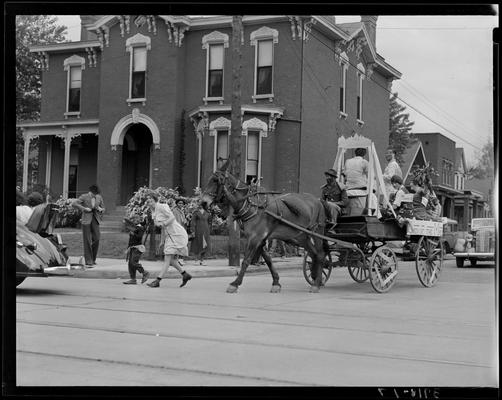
{"points": [[484, 166], [31, 30], [400, 136]]}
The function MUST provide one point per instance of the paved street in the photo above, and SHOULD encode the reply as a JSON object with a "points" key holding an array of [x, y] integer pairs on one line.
{"points": [[99, 332]]}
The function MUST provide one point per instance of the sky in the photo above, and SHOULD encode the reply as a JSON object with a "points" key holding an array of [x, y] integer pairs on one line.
{"points": [[447, 72]]}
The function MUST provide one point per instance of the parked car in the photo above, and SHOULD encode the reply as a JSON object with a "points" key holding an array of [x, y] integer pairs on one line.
{"points": [[39, 253], [450, 235], [478, 244]]}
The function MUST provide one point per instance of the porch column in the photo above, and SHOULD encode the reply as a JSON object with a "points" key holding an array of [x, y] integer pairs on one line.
{"points": [[67, 137], [48, 164], [26, 155], [466, 212]]}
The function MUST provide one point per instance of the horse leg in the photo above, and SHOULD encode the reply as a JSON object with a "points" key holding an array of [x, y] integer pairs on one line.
{"points": [[316, 254], [276, 287], [252, 250]]}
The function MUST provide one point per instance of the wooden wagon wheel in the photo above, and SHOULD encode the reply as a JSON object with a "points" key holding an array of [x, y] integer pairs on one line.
{"points": [[383, 269], [429, 260], [326, 270], [357, 265]]}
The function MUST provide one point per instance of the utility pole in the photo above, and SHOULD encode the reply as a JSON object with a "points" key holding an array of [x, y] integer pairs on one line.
{"points": [[235, 134]]}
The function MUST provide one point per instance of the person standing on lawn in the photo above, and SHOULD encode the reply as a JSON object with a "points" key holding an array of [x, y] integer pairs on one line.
{"points": [[92, 206], [176, 238], [200, 227]]}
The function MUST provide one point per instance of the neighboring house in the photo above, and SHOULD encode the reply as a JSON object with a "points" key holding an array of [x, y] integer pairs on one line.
{"points": [[458, 201], [146, 101]]}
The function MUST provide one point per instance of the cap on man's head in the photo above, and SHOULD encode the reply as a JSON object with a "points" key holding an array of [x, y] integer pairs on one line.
{"points": [[331, 172]]}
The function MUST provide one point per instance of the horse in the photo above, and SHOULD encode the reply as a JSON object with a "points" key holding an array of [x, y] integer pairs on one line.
{"points": [[270, 220]]}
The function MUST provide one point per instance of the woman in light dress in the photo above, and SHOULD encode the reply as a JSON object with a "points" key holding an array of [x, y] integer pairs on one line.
{"points": [[176, 238]]}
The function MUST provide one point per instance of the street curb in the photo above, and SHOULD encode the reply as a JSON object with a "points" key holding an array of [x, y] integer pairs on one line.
{"points": [[120, 271]]}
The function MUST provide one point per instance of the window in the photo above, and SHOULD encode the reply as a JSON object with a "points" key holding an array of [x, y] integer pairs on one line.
{"points": [[264, 39], [222, 147], [264, 67], [252, 155], [344, 64], [215, 44], [447, 172], [137, 46], [138, 73], [74, 89], [359, 100], [74, 66], [215, 71]]}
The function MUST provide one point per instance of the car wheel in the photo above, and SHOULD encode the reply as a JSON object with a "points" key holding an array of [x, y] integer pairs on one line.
{"points": [[20, 279], [474, 263]]}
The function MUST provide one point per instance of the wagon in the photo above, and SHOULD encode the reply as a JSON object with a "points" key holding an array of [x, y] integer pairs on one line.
{"points": [[371, 256], [362, 242]]}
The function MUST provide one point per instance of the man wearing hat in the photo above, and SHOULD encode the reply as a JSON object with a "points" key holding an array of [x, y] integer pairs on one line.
{"points": [[334, 194]]}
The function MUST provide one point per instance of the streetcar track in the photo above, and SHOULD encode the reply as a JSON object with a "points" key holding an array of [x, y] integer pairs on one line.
{"points": [[163, 367], [255, 343], [263, 322], [267, 308]]}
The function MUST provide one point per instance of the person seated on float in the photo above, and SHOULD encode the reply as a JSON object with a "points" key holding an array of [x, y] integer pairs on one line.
{"points": [[420, 200], [433, 207], [397, 183], [334, 195], [356, 171]]}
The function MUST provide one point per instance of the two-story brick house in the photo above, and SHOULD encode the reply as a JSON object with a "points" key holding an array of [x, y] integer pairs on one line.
{"points": [[146, 100]]}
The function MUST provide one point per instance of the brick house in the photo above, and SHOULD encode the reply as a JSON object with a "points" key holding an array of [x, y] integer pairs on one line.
{"points": [[459, 201], [146, 100]]}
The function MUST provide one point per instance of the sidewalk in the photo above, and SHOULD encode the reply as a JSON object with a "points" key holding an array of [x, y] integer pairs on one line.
{"points": [[111, 268]]}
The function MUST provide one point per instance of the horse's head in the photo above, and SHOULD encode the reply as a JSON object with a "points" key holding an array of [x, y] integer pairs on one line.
{"points": [[213, 191]]}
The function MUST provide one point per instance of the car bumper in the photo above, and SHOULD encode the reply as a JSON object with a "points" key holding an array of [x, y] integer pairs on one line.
{"points": [[479, 256]]}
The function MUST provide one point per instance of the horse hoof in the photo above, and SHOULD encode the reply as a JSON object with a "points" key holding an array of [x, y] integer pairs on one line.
{"points": [[314, 289], [275, 289], [231, 289]]}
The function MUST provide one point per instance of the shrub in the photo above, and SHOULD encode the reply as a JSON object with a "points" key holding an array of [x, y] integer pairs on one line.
{"points": [[136, 207], [67, 216]]}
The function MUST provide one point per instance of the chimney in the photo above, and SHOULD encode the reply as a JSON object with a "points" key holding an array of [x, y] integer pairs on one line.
{"points": [[370, 23]]}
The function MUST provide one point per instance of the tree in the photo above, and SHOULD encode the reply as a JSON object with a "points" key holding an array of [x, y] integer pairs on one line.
{"points": [[400, 136], [31, 30], [484, 166]]}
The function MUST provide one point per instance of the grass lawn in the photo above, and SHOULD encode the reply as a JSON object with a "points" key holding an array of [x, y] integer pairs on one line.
{"points": [[114, 244]]}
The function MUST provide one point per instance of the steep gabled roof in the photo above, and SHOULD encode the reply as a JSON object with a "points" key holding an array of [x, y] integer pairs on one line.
{"points": [[410, 158], [460, 159]]}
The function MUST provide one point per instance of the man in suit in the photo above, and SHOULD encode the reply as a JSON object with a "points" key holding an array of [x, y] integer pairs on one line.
{"points": [[92, 206]]}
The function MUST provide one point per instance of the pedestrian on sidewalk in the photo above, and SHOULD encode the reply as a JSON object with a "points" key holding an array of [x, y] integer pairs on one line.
{"points": [[200, 223], [135, 248], [92, 206], [176, 238]]}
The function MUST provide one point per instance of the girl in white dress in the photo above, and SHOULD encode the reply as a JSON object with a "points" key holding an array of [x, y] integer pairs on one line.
{"points": [[176, 238]]}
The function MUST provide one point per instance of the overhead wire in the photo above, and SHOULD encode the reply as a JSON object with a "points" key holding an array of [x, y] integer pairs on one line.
{"points": [[403, 101]]}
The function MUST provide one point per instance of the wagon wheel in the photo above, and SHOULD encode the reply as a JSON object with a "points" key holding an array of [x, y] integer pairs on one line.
{"points": [[326, 270], [429, 260], [357, 265], [383, 269]]}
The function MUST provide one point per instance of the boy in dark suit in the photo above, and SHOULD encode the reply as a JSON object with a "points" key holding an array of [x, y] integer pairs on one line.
{"points": [[135, 248]]}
